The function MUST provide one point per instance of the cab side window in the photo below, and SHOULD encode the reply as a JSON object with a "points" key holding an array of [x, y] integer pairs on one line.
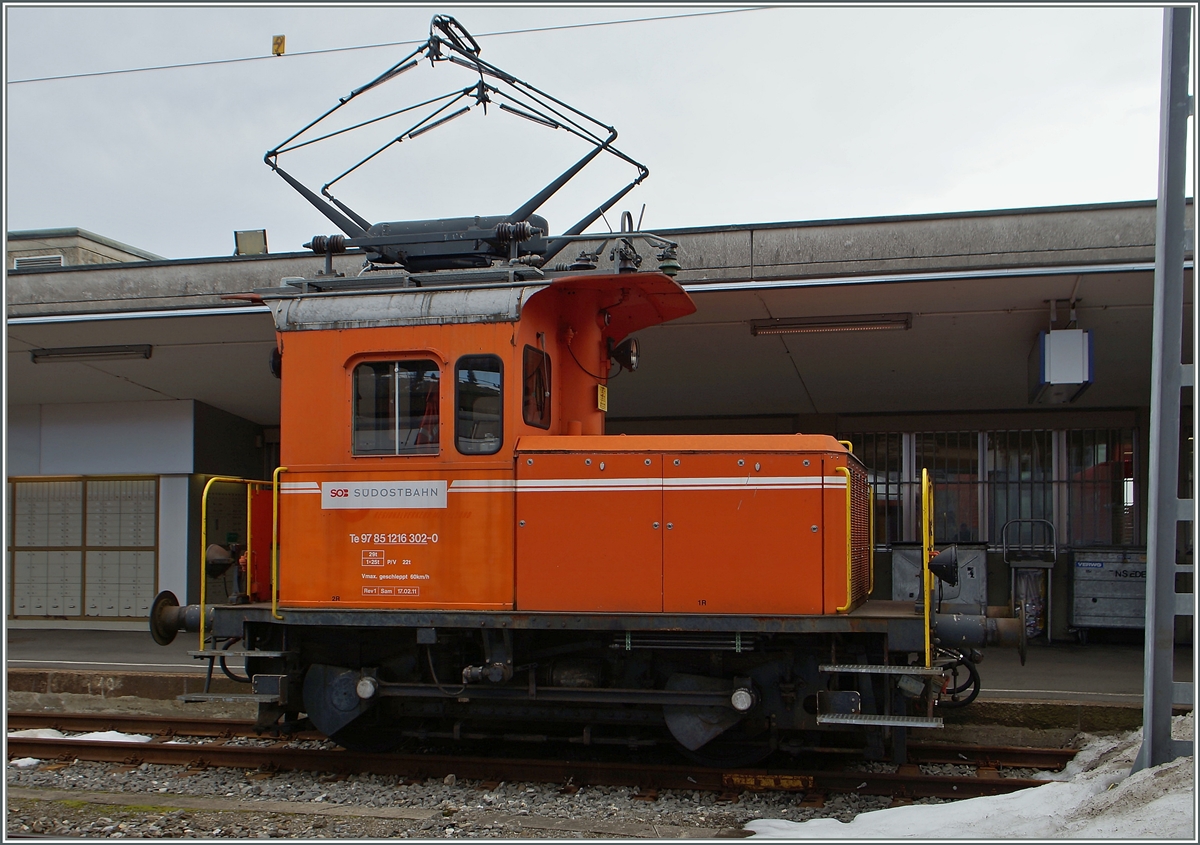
{"points": [[396, 408], [535, 392], [477, 415]]}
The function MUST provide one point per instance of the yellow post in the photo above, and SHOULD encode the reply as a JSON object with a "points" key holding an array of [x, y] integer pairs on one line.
{"points": [[203, 554], [871, 531], [275, 542], [219, 479], [849, 540], [926, 555], [249, 524]]}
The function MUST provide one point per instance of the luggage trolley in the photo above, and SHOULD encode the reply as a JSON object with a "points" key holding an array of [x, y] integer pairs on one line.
{"points": [[1030, 556]]}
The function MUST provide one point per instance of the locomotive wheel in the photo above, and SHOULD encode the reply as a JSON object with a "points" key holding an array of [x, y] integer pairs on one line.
{"points": [[731, 751], [960, 684], [368, 734]]}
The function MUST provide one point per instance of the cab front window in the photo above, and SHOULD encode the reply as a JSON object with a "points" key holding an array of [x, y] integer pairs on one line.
{"points": [[396, 408], [477, 424]]}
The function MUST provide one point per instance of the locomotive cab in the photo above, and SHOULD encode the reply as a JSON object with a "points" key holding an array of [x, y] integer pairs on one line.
{"points": [[447, 451]]}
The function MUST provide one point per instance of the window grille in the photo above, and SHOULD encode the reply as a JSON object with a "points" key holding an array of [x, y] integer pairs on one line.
{"points": [[1086, 482], [1100, 488], [952, 459], [883, 455], [1020, 479]]}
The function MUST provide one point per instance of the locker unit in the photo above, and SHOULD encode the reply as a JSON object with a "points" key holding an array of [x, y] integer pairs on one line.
{"points": [[121, 513], [83, 547]]}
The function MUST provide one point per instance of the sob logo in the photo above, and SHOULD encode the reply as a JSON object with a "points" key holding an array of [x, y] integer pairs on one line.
{"points": [[383, 495]]}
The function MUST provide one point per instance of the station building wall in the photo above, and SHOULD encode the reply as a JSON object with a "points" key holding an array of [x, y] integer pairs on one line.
{"points": [[103, 504]]}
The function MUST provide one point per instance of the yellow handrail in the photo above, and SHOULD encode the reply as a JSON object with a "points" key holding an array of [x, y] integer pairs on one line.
{"points": [[275, 542], [926, 554], [849, 541], [221, 479], [849, 446], [871, 539], [249, 553]]}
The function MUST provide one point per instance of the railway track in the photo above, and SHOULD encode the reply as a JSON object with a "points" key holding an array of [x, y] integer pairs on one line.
{"points": [[907, 781]]}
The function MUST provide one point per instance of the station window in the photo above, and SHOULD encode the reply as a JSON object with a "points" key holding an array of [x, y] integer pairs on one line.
{"points": [[535, 394], [396, 408], [477, 422]]}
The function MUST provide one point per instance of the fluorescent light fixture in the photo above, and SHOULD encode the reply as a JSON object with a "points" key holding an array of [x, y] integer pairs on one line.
{"points": [[89, 353], [844, 323]]}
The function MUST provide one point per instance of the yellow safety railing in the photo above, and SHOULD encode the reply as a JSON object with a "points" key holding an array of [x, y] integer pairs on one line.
{"points": [[926, 556], [275, 542], [849, 541], [224, 479], [849, 446], [871, 537]]}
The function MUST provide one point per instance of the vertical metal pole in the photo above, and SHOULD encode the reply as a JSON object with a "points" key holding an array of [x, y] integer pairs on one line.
{"points": [[1166, 378]]}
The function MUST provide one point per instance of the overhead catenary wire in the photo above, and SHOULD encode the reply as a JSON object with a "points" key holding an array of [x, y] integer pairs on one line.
{"points": [[498, 33]]}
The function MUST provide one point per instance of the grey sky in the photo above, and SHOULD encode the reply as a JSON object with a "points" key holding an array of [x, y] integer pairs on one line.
{"points": [[791, 113]]}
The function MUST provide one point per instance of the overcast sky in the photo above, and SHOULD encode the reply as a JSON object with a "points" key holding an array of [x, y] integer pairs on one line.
{"points": [[778, 114]]}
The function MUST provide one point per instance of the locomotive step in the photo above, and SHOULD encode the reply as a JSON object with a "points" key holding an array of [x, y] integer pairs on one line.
{"points": [[869, 719], [881, 669], [254, 698], [213, 653]]}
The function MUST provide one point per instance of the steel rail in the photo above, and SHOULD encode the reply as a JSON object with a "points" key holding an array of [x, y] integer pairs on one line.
{"points": [[421, 766], [918, 752], [1016, 757]]}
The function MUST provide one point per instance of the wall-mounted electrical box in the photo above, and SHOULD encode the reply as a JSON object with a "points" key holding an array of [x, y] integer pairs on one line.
{"points": [[1060, 366]]}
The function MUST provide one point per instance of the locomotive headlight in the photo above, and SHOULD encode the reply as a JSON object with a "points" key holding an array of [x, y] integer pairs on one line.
{"points": [[366, 688], [625, 353], [742, 700]]}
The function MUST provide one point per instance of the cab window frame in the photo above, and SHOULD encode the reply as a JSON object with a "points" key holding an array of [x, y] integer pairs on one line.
{"points": [[534, 363], [423, 428], [496, 441]]}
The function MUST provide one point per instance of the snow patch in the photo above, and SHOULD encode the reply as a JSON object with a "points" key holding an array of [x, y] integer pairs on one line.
{"points": [[112, 736], [38, 733], [95, 736], [1094, 796]]}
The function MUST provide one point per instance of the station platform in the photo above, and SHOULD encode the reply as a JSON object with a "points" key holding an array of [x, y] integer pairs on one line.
{"points": [[1087, 686]]}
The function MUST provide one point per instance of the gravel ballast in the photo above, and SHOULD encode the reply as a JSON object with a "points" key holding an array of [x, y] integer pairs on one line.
{"points": [[157, 801], [100, 799]]}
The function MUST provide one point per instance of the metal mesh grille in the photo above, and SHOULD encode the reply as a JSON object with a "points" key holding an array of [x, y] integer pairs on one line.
{"points": [[860, 534]]}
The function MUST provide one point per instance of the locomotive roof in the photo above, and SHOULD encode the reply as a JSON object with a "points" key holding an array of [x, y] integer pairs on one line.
{"points": [[639, 300]]}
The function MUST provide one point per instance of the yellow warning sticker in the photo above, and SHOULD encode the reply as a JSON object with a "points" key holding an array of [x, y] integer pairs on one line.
{"points": [[776, 782], [602, 397]]}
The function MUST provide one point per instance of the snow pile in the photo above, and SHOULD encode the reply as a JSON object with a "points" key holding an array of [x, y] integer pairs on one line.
{"points": [[95, 736], [1093, 797], [112, 736], [38, 733]]}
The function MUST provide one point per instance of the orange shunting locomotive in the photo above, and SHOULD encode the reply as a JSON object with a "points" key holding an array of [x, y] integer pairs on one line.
{"points": [[453, 545], [455, 541]]}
